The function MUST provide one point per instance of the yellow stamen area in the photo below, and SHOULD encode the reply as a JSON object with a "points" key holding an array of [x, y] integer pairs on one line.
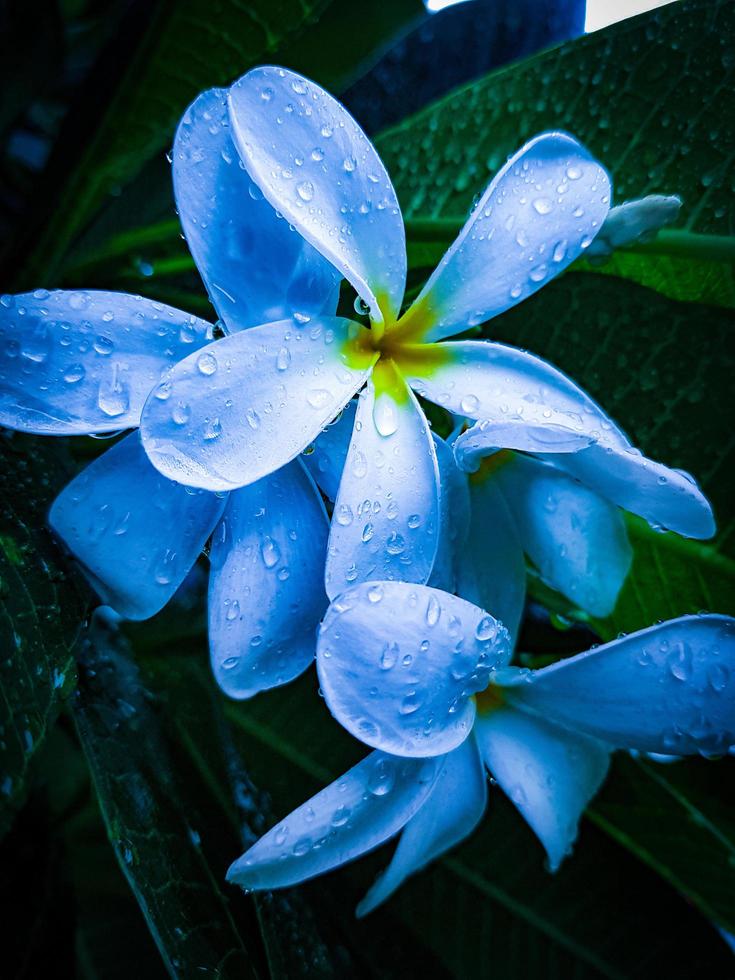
{"points": [[418, 319], [492, 698], [490, 465], [388, 380], [370, 346]]}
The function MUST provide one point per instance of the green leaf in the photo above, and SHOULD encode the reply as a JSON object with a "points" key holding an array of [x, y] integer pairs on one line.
{"points": [[678, 819], [156, 829], [652, 97], [183, 49], [40, 611]]}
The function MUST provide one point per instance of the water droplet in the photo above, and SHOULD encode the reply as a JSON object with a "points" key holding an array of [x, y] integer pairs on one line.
{"points": [[283, 359], [395, 544], [385, 415], [375, 593], [207, 363], [305, 190], [433, 611], [389, 656], [74, 373], [469, 404], [104, 345], [542, 205], [233, 610], [319, 397], [382, 778], [181, 413], [270, 552], [411, 703], [574, 173], [252, 417]]}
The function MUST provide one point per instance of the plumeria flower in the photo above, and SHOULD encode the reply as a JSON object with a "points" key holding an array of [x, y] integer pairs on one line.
{"points": [[422, 677], [270, 391], [514, 505], [83, 362]]}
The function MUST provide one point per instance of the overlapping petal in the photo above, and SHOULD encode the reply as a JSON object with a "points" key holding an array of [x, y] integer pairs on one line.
{"points": [[135, 533], [316, 166], [488, 381], [575, 538], [606, 464], [397, 664], [75, 362], [255, 267], [326, 458], [454, 519], [266, 591], [550, 774], [537, 215], [492, 570], [667, 689], [353, 815], [249, 403], [386, 516], [450, 812]]}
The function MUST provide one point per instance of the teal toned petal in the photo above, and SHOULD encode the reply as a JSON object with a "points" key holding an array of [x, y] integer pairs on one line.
{"points": [[385, 523], [135, 534], [450, 812], [256, 269], [353, 815], [398, 664], [575, 538], [668, 689], [538, 214], [550, 774], [492, 570], [266, 585], [316, 167], [78, 361], [249, 403]]}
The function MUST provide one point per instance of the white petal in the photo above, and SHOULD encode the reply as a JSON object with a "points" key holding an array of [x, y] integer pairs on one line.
{"points": [[450, 812], [397, 664], [667, 689], [255, 267], [75, 362], [538, 214], [550, 774], [266, 586], [353, 815], [249, 403], [385, 523], [135, 533], [316, 166]]}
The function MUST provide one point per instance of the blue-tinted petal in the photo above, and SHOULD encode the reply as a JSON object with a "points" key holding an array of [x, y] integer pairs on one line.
{"points": [[450, 812], [256, 269], [326, 457], [75, 362], [666, 497], [550, 774], [577, 540], [668, 689], [397, 664], [316, 166], [353, 815], [249, 403], [608, 465], [482, 380], [385, 523], [266, 586], [454, 519], [538, 214], [492, 570], [135, 533]]}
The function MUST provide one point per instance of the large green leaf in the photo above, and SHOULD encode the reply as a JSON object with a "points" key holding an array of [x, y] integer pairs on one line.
{"points": [[152, 821], [653, 99], [182, 49], [40, 612]]}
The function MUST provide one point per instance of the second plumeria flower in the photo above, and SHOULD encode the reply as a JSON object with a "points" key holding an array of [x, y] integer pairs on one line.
{"points": [[246, 405]]}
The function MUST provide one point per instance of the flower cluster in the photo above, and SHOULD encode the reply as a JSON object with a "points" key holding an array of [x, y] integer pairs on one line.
{"points": [[242, 438]]}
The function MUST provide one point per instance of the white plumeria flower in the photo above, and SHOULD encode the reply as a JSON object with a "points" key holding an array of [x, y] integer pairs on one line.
{"points": [[271, 390], [422, 677]]}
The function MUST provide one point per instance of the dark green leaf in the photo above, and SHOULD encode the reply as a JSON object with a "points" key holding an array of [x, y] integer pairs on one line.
{"points": [[678, 818], [652, 97], [153, 825], [40, 611]]}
